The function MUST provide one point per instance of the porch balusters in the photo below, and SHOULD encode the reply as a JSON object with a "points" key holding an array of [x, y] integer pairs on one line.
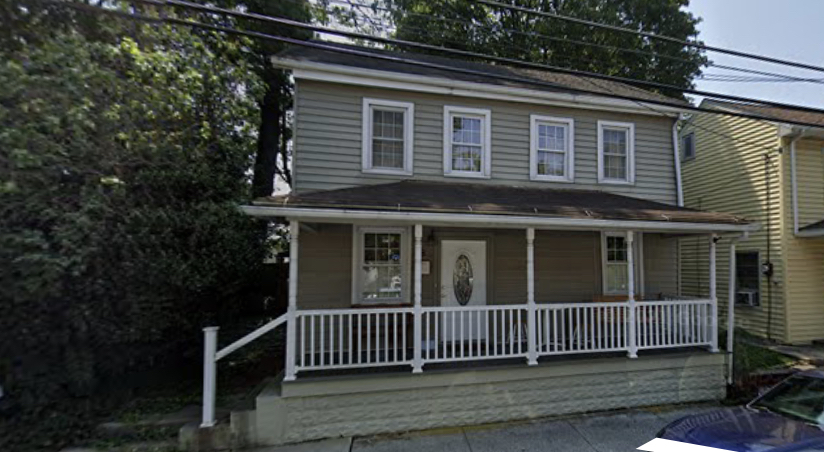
{"points": [[713, 298], [291, 312], [417, 361], [532, 334], [633, 338]]}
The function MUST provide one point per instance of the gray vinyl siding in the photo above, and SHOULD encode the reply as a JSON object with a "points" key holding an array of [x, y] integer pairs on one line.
{"points": [[567, 265], [328, 142]]}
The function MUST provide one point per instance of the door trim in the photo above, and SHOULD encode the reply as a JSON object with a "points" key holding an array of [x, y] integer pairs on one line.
{"points": [[488, 237]]}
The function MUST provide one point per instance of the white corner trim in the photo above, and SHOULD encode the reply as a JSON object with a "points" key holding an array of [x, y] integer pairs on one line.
{"points": [[385, 79], [630, 180], [408, 136], [486, 142], [677, 156], [794, 184], [569, 167]]}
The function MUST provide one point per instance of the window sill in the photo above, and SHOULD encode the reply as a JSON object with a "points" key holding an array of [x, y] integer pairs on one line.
{"points": [[467, 175], [562, 180], [399, 304], [615, 182], [387, 172]]}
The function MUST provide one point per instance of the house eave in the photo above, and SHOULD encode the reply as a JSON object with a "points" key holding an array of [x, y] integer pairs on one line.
{"points": [[334, 73], [487, 220]]}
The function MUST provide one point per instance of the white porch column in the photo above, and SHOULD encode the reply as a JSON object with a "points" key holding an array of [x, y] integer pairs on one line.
{"points": [[632, 340], [291, 312], [532, 333], [713, 297], [209, 376], [417, 360], [731, 311]]}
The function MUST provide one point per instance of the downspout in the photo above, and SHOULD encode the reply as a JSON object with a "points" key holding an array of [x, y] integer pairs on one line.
{"points": [[731, 308], [677, 155], [794, 182]]}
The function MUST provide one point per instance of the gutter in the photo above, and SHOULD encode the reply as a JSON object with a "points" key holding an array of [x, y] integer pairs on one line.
{"points": [[489, 220], [677, 155]]}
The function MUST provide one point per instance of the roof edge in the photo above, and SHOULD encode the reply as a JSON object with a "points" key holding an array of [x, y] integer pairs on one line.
{"points": [[352, 75], [489, 220]]}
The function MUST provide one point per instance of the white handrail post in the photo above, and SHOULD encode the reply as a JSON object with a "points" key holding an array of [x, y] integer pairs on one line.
{"points": [[417, 360], [532, 334], [209, 375], [713, 297], [291, 312], [632, 340]]}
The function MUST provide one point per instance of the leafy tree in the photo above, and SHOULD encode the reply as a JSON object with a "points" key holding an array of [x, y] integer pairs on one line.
{"points": [[477, 27], [123, 157]]}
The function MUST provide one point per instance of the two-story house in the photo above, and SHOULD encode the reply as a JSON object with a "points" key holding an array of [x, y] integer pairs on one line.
{"points": [[771, 172], [460, 230]]}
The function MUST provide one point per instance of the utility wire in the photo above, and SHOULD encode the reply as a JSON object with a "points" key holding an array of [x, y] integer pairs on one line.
{"points": [[563, 40], [476, 55], [693, 44], [398, 59]]}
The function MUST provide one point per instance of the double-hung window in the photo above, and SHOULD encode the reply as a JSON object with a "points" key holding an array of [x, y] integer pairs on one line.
{"points": [[689, 146], [387, 136], [466, 141], [616, 152], [380, 265], [552, 155], [615, 263]]}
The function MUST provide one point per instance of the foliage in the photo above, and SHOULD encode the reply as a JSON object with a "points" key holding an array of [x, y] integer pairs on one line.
{"points": [[123, 157], [477, 27]]}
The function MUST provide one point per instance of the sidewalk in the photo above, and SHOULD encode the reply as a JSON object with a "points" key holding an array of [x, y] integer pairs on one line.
{"points": [[613, 432]]}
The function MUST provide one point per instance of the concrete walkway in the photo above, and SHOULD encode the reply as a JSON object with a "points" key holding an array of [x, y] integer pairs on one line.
{"points": [[613, 432]]}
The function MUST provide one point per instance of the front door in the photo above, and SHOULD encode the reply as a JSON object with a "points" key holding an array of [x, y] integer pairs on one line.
{"points": [[463, 283]]}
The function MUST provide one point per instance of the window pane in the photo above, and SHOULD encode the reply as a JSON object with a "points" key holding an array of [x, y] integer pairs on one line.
{"points": [[466, 130], [615, 167], [617, 277], [381, 270], [616, 249], [551, 163], [551, 137], [381, 282], [466, 158], [615, 141], [387, 138]]}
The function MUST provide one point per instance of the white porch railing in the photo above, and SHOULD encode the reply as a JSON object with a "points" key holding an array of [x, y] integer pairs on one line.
{"points": [[357, 338]]}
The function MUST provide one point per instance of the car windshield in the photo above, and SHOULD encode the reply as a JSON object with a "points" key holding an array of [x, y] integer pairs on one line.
{"points": [[798, 397]]}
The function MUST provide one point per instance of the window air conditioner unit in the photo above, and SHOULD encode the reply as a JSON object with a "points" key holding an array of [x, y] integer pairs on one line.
{"points": [[746, 297]]}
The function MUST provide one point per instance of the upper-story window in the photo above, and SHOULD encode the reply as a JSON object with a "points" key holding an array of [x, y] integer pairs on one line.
{"points": [[689, 146], [552, 155], [466, 142], [616, 152], [387, 136]]}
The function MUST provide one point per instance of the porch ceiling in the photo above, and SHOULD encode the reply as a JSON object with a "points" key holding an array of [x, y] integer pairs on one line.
{"points": [[463, 203]]}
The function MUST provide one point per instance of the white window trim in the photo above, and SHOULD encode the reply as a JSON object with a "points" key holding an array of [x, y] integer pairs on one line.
{"points": [[684, 156], [357, 263], [408, 136], [569, 168], [638, 249], [486, 143], [630, 180]]}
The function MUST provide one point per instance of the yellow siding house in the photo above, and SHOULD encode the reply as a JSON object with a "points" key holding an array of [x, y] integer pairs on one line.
{"points": [[773, 174]]}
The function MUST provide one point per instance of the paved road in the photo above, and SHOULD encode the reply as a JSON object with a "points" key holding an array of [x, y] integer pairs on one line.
{"points": [[613, 432]]}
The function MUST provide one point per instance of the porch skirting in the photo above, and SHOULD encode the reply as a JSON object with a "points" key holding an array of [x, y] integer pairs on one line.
{"points": [[325, 407]]}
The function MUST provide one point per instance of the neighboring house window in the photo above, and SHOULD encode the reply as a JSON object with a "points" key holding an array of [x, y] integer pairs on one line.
{"points": [[381, 256], [466, 141], [616, 152], [387, 136], [748, 278], [689, 146], [552, 155]]}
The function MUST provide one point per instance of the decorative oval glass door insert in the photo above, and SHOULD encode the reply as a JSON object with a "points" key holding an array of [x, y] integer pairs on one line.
{"points": [[462, 280]]}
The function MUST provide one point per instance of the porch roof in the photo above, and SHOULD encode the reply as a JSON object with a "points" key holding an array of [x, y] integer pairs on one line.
{"points": [[465, 202]]}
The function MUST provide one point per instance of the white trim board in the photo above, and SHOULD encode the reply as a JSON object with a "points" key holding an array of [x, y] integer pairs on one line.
{"points": [[349, 75], [349, 216]]}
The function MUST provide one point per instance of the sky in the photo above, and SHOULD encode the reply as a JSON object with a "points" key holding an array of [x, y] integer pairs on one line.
{"points": [[786, 29]]}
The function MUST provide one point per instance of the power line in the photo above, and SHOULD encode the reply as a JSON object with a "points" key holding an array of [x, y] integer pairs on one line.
{"points": [[645, 34], [476, 55], [398, 59], [557, 39]]}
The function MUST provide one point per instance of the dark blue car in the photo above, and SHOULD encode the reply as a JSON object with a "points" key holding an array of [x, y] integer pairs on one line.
{"points": [[787, 418]]}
